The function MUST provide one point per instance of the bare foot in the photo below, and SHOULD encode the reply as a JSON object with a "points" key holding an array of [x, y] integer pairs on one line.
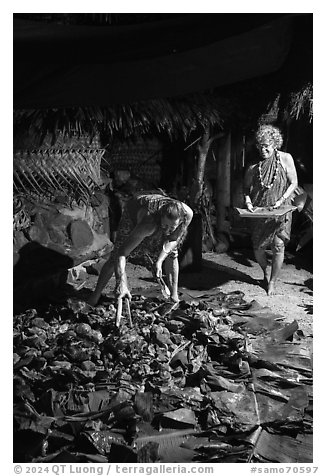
{"points": [[271, 288]]}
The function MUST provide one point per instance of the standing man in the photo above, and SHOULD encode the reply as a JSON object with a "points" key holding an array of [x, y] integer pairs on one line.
{"points": [[270, 183]]}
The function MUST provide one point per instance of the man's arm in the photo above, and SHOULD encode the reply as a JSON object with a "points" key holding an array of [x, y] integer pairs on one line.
{"points": [[292, 177]]}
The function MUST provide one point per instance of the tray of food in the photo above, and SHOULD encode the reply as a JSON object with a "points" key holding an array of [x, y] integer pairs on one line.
{"points": [[261, 212]]}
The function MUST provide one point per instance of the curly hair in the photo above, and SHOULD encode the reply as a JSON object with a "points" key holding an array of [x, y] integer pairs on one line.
{"points": [[271, 133]]}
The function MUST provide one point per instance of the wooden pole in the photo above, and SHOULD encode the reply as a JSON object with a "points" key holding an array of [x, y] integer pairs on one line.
{"points": [[223, 171], [203, 147]]}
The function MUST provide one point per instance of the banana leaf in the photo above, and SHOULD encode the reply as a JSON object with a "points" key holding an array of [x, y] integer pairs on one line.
{"points": [[102, 440], [284, 448], [168, 445], [239, 411], [144, 405], [180, 418], [123, 421], [281, 399]]}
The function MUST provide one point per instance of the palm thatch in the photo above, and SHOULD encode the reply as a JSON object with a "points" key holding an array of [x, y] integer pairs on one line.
{"points": [[291, 105], [301, 102], [271, 99], [175, 117]]}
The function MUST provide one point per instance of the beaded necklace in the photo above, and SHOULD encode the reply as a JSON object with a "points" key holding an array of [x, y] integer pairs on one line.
{"points": [[278, 161]]}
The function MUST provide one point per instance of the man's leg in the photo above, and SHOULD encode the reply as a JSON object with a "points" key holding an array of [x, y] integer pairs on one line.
{"points": [[277, 262], [260, 256], [172, 273], [107, 270], [104, 277]]}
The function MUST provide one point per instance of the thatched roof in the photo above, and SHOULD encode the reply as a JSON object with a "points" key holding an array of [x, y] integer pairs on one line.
{"points": [[239, 106], [173, 117], [149, 86]]}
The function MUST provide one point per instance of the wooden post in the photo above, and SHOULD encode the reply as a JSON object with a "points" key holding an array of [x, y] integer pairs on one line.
{"points": [[202, 151], [223, 169], [198, 184]]}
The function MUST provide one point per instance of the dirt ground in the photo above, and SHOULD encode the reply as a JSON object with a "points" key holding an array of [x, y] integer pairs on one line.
{"points": [[237, 270]]}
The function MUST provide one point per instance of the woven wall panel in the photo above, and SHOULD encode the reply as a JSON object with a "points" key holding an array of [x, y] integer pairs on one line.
{"points": [[47, 171], [143, 159]]}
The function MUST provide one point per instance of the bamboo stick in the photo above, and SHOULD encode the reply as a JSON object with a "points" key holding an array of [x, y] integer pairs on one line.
{"points": [[128, 312], [119, 312]]}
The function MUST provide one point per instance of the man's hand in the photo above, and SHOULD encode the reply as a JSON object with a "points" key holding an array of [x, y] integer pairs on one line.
{"points": [[250, 207], [122, 291], [158, 269], [278, 203]]}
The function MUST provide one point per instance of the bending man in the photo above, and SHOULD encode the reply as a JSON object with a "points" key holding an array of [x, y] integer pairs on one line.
{"points": [[151, 223]]}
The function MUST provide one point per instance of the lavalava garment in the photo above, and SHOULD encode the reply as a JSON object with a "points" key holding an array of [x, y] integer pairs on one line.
{"points": [[269, 183], [151, 245]]}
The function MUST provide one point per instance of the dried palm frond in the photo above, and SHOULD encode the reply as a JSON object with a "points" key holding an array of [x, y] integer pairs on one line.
{"points": [[293, 104], [49, 171], [302, 102]]}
